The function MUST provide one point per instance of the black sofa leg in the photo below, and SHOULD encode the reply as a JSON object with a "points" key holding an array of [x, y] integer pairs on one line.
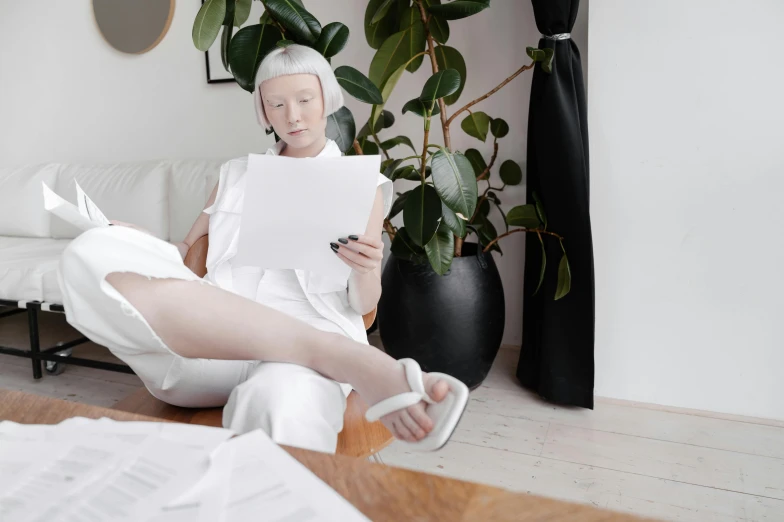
{"points": [[35, 347]]}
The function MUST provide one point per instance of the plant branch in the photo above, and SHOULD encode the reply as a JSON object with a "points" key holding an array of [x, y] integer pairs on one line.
{"points": [[486, 173], [357, 148], [536, 230], [434, 63], [391, 231], [423, 166], [378, 142], [497, 88]]}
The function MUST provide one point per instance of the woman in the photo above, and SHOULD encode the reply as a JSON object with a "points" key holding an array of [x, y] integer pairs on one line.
{"points": [[270, 345]]}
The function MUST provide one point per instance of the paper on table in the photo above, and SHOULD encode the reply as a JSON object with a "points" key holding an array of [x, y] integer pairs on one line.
{"points": [[294, 208], [266, 479], [69, 212]]}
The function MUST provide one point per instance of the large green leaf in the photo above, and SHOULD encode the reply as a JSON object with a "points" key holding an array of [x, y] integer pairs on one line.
{"points": [[499, 127], [241, 12], [421, 214], [357, 84], [248, 47], [487, 232], [207, 24], [441, 250], [418, 107], [511, 173], [476, 124], [397, 206], [395, 52], [341, 128], [397, 140], [477, 161], [450, 219], [564, 278], [332, 40], [438, 27], [225, 41], [403, 247], [386, 120], [458, 9], [380, 10], [455, 181], [411, 173], [523, 216], [450, 58], [386, 91], [415, 40], [377, 33], [540, 209], [295, 19], [442, 83]]}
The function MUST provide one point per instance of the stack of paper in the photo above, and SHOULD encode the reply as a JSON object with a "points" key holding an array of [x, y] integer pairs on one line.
{"points": [[102, 470]]}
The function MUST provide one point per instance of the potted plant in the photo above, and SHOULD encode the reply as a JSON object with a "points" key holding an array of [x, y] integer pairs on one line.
{"points": [[442, 302]]}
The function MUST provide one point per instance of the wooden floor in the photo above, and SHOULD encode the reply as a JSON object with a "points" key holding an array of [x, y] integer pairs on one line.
{"points": [[673, 465]]}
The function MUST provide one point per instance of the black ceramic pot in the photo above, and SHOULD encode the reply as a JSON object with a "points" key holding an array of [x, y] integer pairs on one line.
{"points": [[452, 323]]}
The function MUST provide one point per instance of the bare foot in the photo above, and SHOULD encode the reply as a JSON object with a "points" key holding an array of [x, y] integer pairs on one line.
{"points": [[413, 423]]}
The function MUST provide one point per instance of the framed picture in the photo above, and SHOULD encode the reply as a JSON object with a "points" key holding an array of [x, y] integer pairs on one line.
{"points": [[216, 73]]}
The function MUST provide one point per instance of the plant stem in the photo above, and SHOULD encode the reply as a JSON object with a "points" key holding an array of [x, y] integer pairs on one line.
{"points": [[434, 63], [378, 142], [357, 148], [390, 229], [423, 166], [474, 102], [486, 173], [536, 230]]}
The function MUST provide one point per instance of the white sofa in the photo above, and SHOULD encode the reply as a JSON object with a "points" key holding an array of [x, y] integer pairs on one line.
{"points": [[165, 197]]}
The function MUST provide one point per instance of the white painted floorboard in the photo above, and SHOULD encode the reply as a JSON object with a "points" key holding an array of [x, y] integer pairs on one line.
{"points": [[672, 465]]}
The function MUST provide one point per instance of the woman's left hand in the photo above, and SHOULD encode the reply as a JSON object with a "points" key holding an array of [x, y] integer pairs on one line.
{"points": [[362, 253]]}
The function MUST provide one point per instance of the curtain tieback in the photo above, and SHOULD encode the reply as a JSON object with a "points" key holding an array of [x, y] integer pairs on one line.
{"points": [[559, 36]]}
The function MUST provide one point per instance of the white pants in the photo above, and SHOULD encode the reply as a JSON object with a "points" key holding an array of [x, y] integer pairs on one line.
{"points": [[295, 405]]}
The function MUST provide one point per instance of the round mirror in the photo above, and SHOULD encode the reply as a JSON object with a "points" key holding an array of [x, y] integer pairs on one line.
{"points": [[133, 26]]}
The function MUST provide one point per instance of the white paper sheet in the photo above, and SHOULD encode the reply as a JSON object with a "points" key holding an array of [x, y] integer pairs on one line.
{"points": [[294, 208], [88, 208], [84, 217], [266, 479]]}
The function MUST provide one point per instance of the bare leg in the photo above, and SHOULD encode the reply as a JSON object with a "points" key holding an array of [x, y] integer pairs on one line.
{"points": [[202, 321]]}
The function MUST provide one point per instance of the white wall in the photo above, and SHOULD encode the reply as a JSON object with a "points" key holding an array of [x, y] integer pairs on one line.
{"points": [[687, 170], [66, 95]]}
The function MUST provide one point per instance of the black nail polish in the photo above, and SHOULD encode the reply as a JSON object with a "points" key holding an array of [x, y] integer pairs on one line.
{"points": [[353, 238], [344, 241], [334, 246]]}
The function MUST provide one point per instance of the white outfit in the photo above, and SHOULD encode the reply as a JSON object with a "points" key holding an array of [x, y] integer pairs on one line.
{"points": [[294, 405]]}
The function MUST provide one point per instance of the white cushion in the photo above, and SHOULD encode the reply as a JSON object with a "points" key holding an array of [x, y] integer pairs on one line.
{"points": [[28, 268], [21, 200], [134, 192], [190, 185]]}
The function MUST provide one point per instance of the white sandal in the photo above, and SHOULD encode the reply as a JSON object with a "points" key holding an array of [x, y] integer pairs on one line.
{"points": [[445, 414]]}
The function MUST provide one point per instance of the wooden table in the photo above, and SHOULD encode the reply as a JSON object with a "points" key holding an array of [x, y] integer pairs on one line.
{"points": [[380, 492]]}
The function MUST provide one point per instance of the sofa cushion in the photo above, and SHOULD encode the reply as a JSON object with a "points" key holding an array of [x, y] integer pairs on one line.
{"points": [[190, 185], [22, 211], [28, 268], [134, 192]]}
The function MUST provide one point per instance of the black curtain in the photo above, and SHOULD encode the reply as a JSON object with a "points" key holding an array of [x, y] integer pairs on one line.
{"points": [[556, 360]]}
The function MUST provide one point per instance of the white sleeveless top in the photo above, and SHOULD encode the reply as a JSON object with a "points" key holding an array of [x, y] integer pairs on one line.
{"points": [[319, 301]]}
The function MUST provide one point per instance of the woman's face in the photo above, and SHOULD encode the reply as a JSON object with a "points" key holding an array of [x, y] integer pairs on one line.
{"points": [[294, 106]]}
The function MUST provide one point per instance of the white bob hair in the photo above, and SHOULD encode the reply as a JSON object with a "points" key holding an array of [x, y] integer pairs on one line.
{"points": [[297, 59]]}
